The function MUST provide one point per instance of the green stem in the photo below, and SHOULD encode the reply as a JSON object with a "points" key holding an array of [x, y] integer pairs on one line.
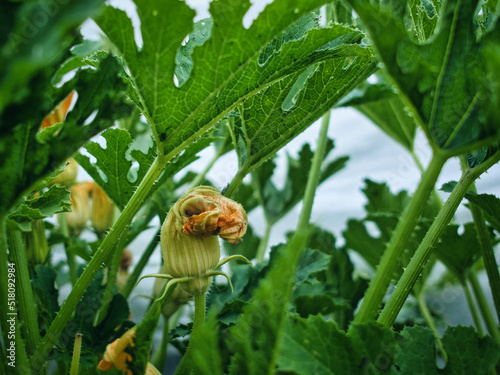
{"points": [[487, 253], [314, 174], [390, 260], [111, 280], [160, 356], [437, 198], [430, 323], [473, 309], [491, 325], [24, 293], [21, 359], [235, 182], [64, 314], [132, 280], [75, 361], [263, 243], [201, 176], [424, 250], [198, 321]]}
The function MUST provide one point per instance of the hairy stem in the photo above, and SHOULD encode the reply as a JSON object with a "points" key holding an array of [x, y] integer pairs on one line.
{"points": [[314, 174], [263, 243], [75, 361], [424, 250], [491, 325], [390, 260], [64, 314], [473, 309], [111, 280], [160, 356], [198, 321], [24, 293]]}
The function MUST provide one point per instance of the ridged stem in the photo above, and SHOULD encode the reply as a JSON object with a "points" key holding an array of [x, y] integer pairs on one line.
{"points": [[390, 260], [24, 292], [424, 250], [75, 361], [473, 309], [488, 318]]}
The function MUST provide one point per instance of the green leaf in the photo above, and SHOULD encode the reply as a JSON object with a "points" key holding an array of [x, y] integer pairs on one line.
{"points": [[24, 160], [270, 119], [458, 251], [423, 17], [268, 308], [46, 294], [56, 199], [384, 210], [385, 109], [94, 338], [467, 353], [33, 35], [489, 204], [230, 66], [115, 165], [333, 289], [314, 344], [205, 348], [114, 168], [278, 202], [441, 79]]}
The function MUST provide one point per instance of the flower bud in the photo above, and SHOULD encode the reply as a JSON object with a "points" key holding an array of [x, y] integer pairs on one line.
{"points": [[35, 243], [79, 215], [102, 214], [68, 176], [189, 244]]}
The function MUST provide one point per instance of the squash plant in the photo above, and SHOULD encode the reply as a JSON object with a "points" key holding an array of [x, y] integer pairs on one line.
{"points": [[247, 90]]}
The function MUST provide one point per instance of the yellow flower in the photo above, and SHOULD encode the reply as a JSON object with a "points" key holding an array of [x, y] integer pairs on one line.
{"points": [[68, 176], [102, 213], [189, 244], [115, 355], [79, 215], [59, 113]]}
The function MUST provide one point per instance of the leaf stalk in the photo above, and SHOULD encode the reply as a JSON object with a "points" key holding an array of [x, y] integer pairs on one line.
{"points": [[424, 250], [390, 260]]}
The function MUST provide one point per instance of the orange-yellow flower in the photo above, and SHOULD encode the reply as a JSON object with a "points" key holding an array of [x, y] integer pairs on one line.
{"points": [[102, 214], [68, 176], [189, 242], [58, 114], [78, 217], [115, 355]]}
